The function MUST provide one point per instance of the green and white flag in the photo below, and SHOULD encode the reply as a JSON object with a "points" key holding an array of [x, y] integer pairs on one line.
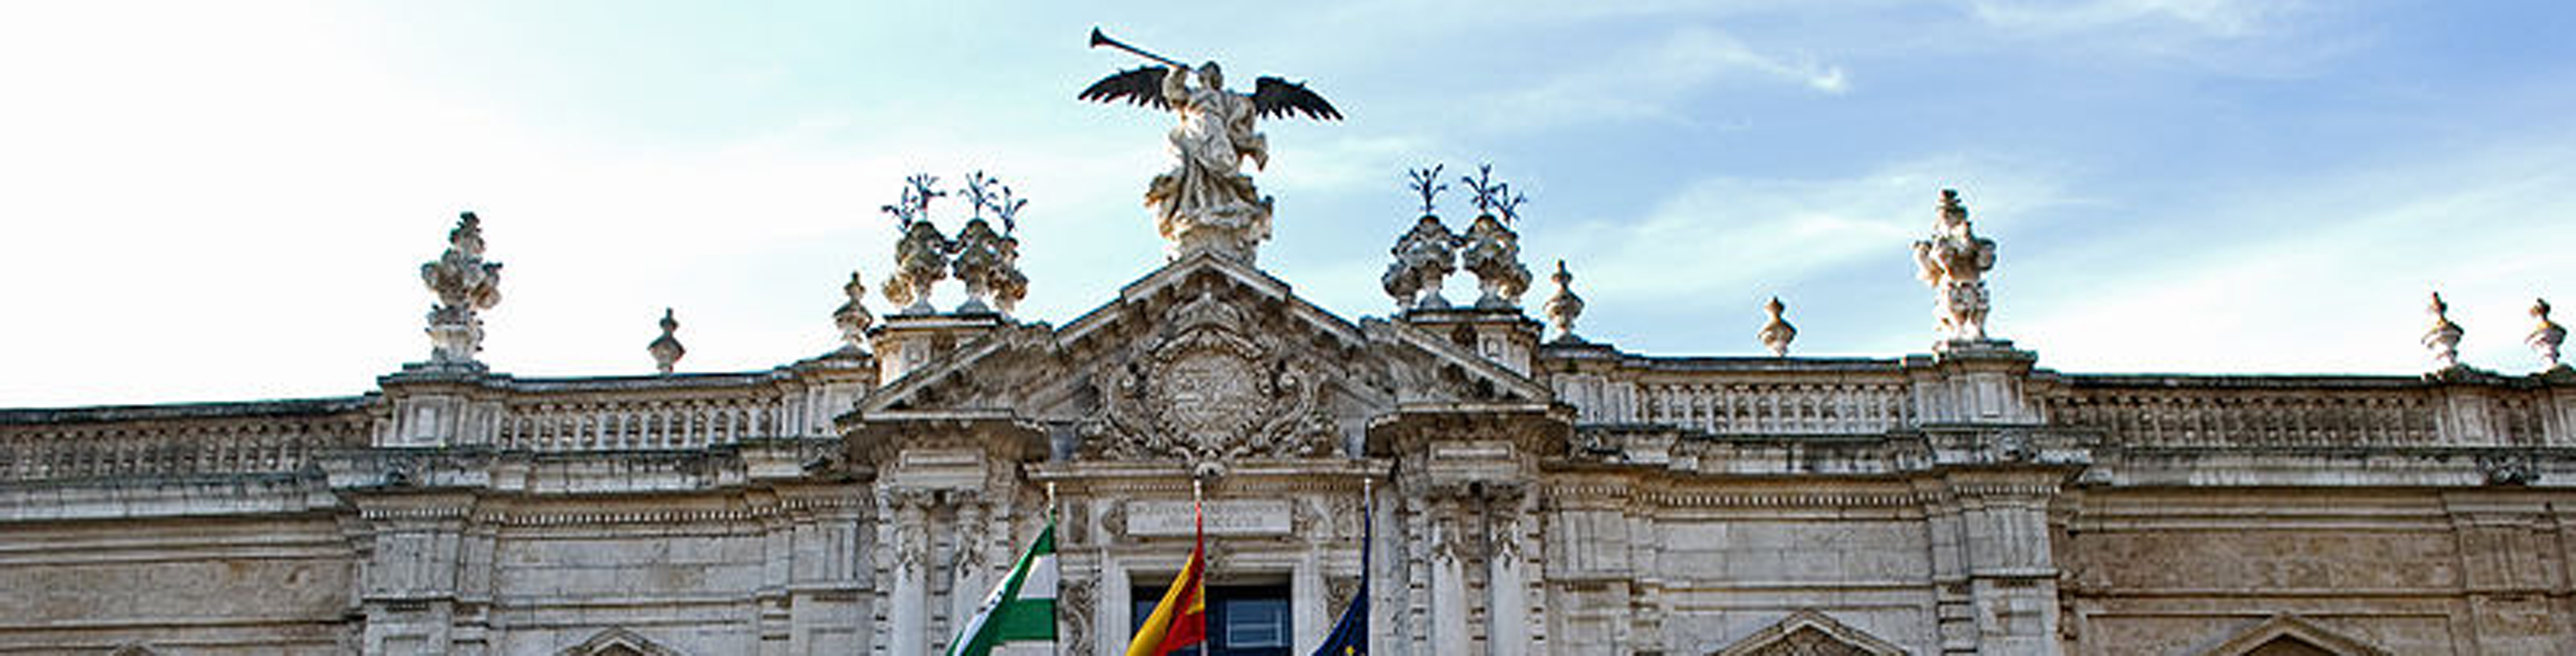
{"points": [[1021, 609]]}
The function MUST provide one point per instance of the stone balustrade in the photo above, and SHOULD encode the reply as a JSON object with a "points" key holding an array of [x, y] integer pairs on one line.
{"points": [[272, 437], [615, 424], [529, 415], [2151, 414], [1840, 397], [2308, 411], [1766, 396], [1777, 407]]}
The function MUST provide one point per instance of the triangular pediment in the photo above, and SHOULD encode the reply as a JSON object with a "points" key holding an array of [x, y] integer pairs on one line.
{"points": [[1809, 632], [2290, 635], [1203, 358], [617, 642]]}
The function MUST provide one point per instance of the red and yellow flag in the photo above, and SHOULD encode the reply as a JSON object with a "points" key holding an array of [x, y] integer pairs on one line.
{"points": [[1181, 620]]}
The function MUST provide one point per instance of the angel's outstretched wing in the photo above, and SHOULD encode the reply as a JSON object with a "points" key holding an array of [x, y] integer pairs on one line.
{"points": [[1143, 86], [1276, 97]]}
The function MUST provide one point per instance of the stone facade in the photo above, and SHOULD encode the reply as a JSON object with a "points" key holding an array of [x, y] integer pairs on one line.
{"points": [[1533, 496]]}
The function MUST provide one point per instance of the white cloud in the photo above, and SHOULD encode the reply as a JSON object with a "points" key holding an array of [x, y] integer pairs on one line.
{"points": [[1650, 78], [2213, 18], [2344, 291]]}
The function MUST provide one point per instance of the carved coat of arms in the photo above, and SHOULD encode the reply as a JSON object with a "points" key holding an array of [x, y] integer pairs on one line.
{"points": [[1206, 389]]}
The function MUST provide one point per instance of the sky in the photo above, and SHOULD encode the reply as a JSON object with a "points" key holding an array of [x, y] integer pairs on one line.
{"points": [[231, 201]]}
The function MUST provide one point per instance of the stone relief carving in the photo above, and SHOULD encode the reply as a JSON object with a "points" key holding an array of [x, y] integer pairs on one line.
{"points": [[1808, 642], [1954, 261], [464, 284], [1340, 590], [2508, 469], [1113, 521], [1207, 391], [1076, 604]]}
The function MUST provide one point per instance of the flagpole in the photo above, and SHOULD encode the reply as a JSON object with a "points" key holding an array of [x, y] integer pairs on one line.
{"points": [[1198, 519], [1056, 646]]}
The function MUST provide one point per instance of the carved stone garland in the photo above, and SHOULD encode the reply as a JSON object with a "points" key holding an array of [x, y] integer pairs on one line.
{"points": [[1206, 391]]}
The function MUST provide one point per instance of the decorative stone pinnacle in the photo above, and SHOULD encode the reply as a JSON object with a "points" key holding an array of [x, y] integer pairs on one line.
{"points": [[1424, 257], [1493, 252], [666, 349], [1777, 334], [1563, 307], [2546, 337], [852, 316], [1954, 262], [464, 284], [921, 253], [2443, 337]]}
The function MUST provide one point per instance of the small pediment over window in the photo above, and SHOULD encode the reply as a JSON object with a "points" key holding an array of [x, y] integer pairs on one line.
{"points": [[2291, 635], [1810, 633], [618, 642]]}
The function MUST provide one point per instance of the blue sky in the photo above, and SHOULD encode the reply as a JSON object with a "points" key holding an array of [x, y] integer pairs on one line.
{"points": [[230, 201]]}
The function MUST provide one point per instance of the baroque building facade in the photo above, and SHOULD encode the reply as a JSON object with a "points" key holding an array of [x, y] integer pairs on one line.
{"points": [[1528, 491]]}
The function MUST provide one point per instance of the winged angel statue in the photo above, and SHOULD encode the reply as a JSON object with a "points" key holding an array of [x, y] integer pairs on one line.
{"points": [[1207, 203]]}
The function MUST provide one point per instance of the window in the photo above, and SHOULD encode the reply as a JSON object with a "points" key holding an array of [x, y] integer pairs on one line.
{"points": [[1243, 620]]}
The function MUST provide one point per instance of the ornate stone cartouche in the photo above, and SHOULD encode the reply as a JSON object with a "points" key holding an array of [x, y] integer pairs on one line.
{"points": [[1563, 307], [464, 284], [2442, 337], [1954, 261], [1777, 333], [666, 349]]}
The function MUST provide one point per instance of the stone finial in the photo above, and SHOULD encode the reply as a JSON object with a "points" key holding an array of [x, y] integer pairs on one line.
{"points": [[1493, 252], [1563, 307], [1954, 262], [852, 316], [1490, 249], [978, 263], [667, 349], [988, 262], [464, 284], [1424, 257], [2443, 337], [2546, 337], [1777, 333], [921, 254]]}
